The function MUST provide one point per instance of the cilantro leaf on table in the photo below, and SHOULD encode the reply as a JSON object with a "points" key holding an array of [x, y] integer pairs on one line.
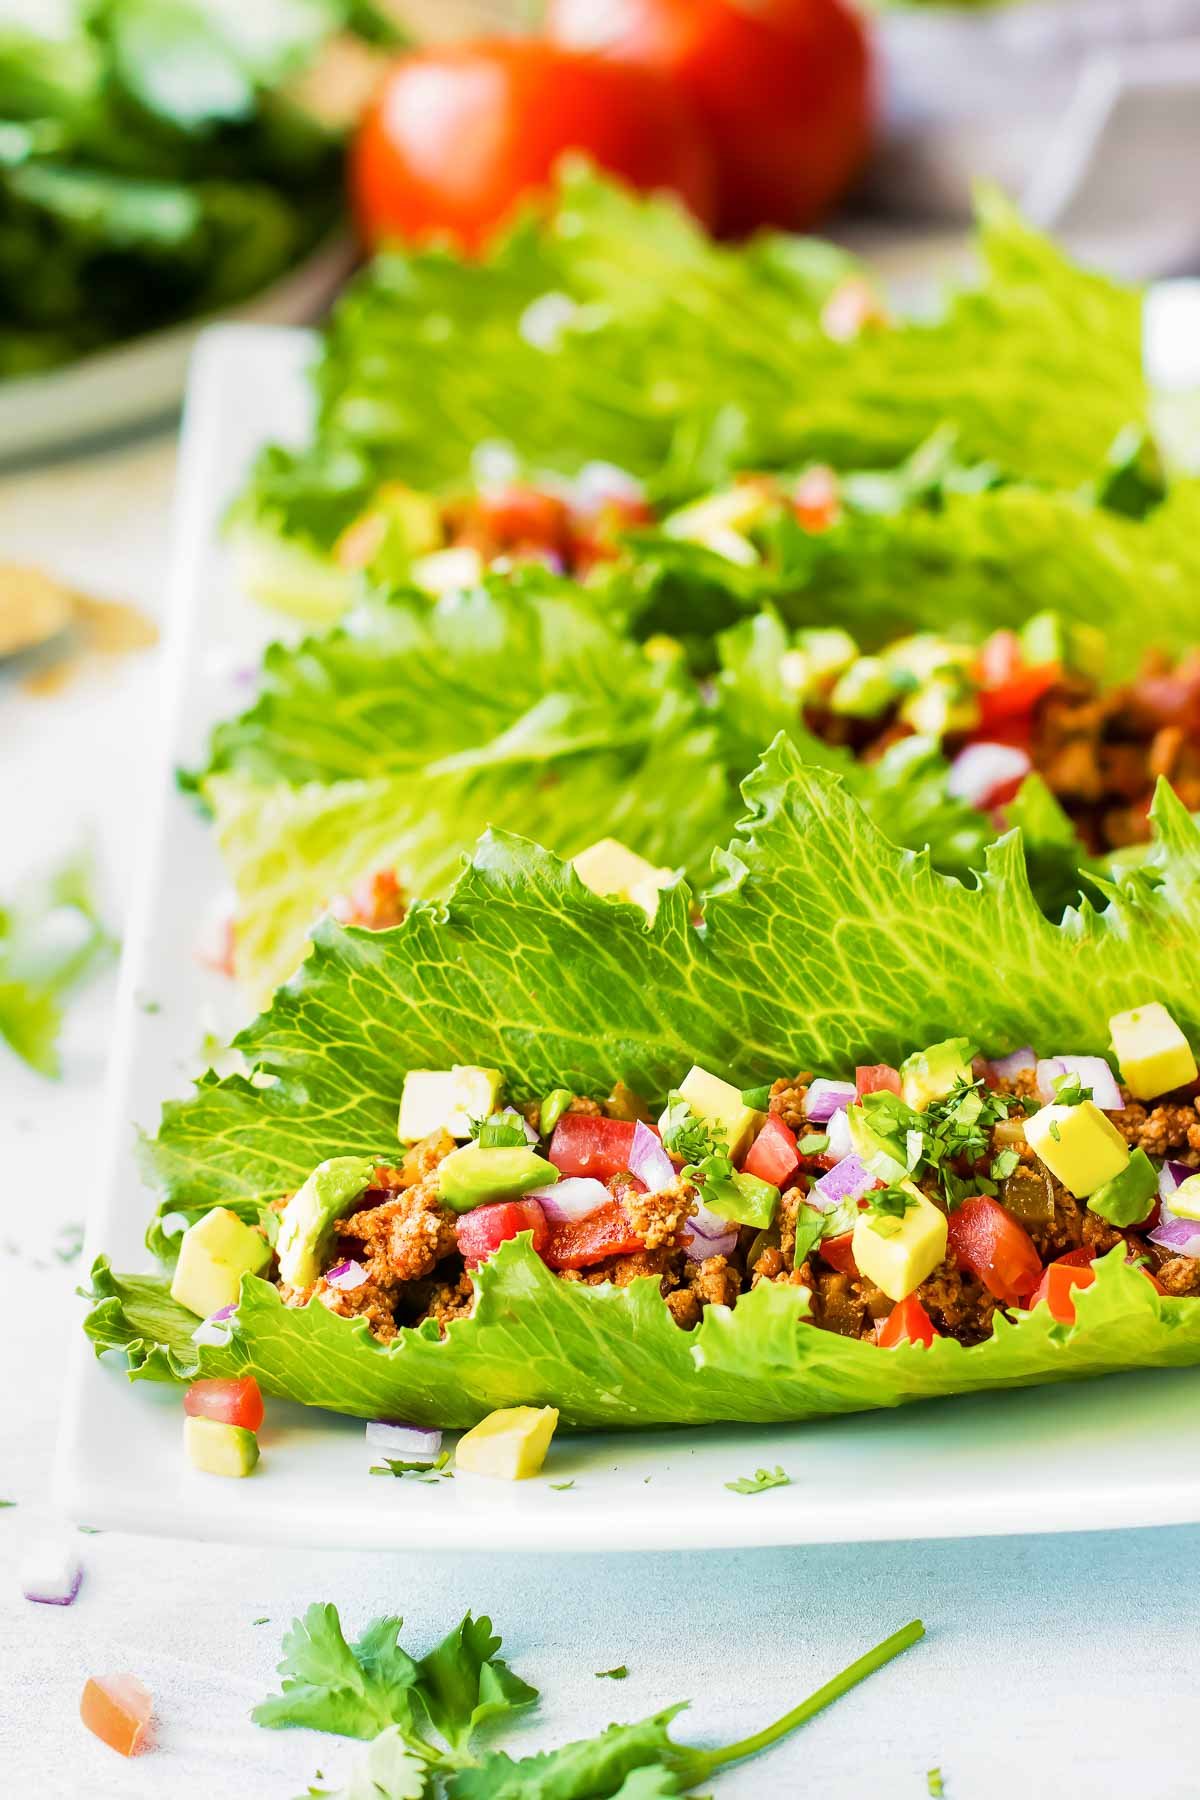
{"points": [[620, 1673], [759, 1482], [52, 939], [359, 1689]]}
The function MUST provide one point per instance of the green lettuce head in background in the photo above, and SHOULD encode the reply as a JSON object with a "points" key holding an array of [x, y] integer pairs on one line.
{"points": [[822, 946]]}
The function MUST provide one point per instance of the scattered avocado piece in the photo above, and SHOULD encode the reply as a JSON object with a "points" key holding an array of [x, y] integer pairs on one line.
{"points": [[931, 1074], [214, 1254], [306, 1225], [479, 1173], [946, 703], [510, 1444], [1079, 1145], [219, 1449], [447, 1100], [612, 870], [720, 1104], [866, 689], [1153, 1054], [1128, 1198], [898, 1254], [745, 1199]]}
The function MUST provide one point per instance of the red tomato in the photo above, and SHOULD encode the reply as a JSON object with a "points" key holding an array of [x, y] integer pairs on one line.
{"points": [[230, 1402], [606, 1232], [908, 1322], [877, 1078], [773, 1155], [839, 1253], [993, 1246], [583, 1145], [1017, 698], [459, 134], [482, 1231], [517, 518], [782, 86], [815, 499], [117, 1709], [1077, 1259], [1055, 1288]]}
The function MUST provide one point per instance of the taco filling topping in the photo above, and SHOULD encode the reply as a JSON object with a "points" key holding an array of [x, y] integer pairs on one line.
{"points": [[911, 1202]]}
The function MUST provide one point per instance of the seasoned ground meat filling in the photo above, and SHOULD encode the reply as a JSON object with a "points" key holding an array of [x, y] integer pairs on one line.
{"points": [[405, 1239]]}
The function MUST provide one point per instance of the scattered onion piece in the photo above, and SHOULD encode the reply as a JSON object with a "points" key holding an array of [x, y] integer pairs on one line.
{"points": [[574, 1197], [824, 1098], [649, 1161], [51, 1573], [346, 1275], [404, 1443]]}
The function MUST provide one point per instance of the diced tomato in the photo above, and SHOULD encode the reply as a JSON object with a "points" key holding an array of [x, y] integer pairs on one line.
{"points": [[584, 1145], [1000, 659], [117, 1709], [523, 516], [1078, 1259], [877, 1078], [815, 499], [482, 1231], [577, 1243], [839, 1253], [908, 1322], [229, 1402], [377, 902], [1017, 698], [773, 1155], [1056, 1285], [994, 1247]]}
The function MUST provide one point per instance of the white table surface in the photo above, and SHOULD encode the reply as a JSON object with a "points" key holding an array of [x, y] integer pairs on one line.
{"points": [[1055, 1666]]}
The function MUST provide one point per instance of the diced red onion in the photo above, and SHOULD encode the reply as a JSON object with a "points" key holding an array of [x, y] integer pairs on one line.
{"points": [[838, 1132], [1093, 1072], [216, 1329], [510, 1112], [980, 771], [346, 1275], [1017, 1062], [404, 1443], [824, 1098], [51, 1573], [1171, 1176], [698, 1248], [708, 1224], [572, 1198], [649, 1161], [1181, 1236], [848, 1181]]}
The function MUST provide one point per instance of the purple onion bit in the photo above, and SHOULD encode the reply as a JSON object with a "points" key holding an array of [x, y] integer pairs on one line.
{"points": [[649, 1161], [847, 1180], [824, 1098], [574, 1197], [1171, 1176], [1180, 1236], [841, 1143], [404, 1443], [346, 1275], [1017, 1062], [217, 1328], [51, 1574], [699, 1248]]}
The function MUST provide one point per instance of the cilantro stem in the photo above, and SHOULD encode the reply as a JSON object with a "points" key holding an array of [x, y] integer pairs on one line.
{"points": [[696, 1764]]}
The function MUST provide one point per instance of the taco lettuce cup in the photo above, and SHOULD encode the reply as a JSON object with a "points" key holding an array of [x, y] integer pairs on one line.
{"points": [[732, 1293]]}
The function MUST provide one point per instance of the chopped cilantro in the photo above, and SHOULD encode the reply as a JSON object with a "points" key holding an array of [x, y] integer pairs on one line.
{"points": [[759, 1482], [810, 1229], [1055, 1133], [948, 1140], [617, 1674], [1003, 1165], [560, 1487], [890, 1202], [415, 1471], [263, 1621], [758, 1098], [935, 1784], [813, 1143], [498, 1133], [1070, 1091], [686, 1136]]}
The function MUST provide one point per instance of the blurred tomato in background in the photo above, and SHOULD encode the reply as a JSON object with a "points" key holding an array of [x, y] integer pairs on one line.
{"points": [[459, 134], [782, 87]]}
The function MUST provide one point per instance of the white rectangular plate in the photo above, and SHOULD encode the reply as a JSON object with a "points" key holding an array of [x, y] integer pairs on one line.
{"points": [[1108, 1453]]}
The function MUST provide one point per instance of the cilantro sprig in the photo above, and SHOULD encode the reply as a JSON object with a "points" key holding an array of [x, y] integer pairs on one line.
{"points": [[760, 1481], [687, 1136], [422, 1715], [950, 1136]]}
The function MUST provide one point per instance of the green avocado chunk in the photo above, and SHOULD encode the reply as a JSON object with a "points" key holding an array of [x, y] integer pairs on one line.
{"points": [[478, 1173], [1129, 1196], [307, 1223]]}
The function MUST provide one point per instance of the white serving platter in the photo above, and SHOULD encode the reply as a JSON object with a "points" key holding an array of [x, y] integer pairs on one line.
{"points": [[1117, 1452]]}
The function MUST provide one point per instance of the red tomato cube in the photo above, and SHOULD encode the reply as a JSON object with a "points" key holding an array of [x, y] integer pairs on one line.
{"points": [[481, 1232], [989, 1242], [1055, 1288], [908, 1322], [773, 1155], [877, 1078], [584, 1145], [839, 1253], [577, 1243], [229, 1402]]}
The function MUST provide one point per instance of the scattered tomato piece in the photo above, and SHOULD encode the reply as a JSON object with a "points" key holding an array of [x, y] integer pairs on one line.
{"points": [[838, 1252], [481, 1231], [994, 1247], [1055, 1288], [117, 1708], [230, 1402], [815, 499], [773, 1155], [908, 1322], [578, 1243], [586, 1145], [877, 1078]]}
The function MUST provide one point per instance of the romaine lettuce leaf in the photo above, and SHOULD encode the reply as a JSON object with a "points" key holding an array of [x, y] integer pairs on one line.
{"points": [[822, 946], [395, 741], [619, 331]]}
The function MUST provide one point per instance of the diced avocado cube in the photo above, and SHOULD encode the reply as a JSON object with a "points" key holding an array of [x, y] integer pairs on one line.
{"points": [[719, 1104], [931, 1074], [611, 869], [214, 1254], [219, 1449], [826, 649], [306, 1225], [1185, 1201], [1079, 1145], [941, 706], [899, 1254], [509, 1445], [478, 1173], [865, 690], [1128, 1198], [745, 1200], [730, 512], [1153, 1054], [448, 571], [415, 518], [873, 1150], [447, 1100], [921, 657]]}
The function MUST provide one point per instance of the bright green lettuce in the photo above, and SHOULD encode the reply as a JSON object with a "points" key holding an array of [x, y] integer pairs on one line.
{"points": [[682, 360], [52, 939], [824, 946], [394, 742]]}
